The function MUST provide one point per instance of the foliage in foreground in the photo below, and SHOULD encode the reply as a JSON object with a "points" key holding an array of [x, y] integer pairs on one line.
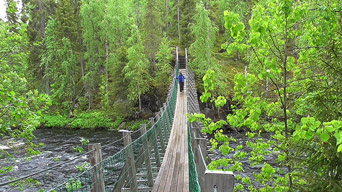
{"points": [[20, 108], [297, 106]]}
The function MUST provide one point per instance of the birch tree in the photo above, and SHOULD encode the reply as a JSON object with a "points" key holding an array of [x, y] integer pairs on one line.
{"points": [[94, 41], [164, 68], [204, 33], [136, 70]]}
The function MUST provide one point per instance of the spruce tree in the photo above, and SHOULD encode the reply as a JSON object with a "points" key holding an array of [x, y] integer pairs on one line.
{"points": [[204, 33], [120, 16], [172, 19], [39, 12], [59, 59], [187, 12], [139, 7], [152, 30], [136, 71], [94, 40], [66, 21], [164, 68]]}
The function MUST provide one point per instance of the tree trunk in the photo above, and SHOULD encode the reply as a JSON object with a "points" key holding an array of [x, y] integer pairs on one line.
{"points": [[246, 71], [247, 50], [106, 74], [47, 84], [42, 18], [90, 99], [82, 65], [285, 97], [106, 64], [167, 19], [139, 103], [266, 88], [341, 20], [179, 35], [42, 29]]}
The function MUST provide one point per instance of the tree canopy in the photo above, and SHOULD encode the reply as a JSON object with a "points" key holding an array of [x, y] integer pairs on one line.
{"points": [[266, 66]]}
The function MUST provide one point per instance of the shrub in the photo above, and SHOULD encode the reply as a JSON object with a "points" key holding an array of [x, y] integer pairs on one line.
{"points": [[92, 120], [118, 122], [55, 121], [136, 124]]}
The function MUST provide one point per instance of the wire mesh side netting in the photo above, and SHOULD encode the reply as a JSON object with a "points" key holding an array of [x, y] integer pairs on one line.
{"points": [[142, 156]]}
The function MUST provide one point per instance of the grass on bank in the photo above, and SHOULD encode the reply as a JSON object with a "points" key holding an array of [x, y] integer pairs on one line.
{"points": [[88, 120]]}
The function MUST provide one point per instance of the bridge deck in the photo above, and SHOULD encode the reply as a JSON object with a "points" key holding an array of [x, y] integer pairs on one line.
{"points": [[173, 175]]}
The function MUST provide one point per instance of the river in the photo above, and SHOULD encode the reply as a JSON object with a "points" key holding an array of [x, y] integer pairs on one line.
{"points": [[249, 169], [58, 148]]}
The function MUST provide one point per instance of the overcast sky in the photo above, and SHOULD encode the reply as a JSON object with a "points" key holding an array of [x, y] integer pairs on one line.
{"points": [[2, 9]]}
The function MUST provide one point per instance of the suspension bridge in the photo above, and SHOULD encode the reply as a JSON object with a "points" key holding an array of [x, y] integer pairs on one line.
{"points": [[167, 155]]}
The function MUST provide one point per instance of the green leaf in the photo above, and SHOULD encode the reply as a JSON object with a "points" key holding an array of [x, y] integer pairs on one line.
{"points": [[308, 135], [339, 149], [260, 76], [325, 137], [329, 128], [304, 120]]}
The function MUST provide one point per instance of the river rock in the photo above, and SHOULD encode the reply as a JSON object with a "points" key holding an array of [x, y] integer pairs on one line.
{"points": [[2, 147], [209, 113], [28, 167]]}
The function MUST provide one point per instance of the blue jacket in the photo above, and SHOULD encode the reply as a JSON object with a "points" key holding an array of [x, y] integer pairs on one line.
{"points": [[180, 78]]}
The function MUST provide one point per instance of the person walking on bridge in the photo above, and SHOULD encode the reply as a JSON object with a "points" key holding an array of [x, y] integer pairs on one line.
{"points": [[181, 78]]}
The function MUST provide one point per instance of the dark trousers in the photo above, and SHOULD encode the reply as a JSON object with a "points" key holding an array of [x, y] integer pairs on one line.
{"points": [[181, 84]]}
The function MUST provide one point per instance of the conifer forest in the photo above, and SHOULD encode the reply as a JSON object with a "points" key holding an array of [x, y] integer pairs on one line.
{"points": [[269, 71]]}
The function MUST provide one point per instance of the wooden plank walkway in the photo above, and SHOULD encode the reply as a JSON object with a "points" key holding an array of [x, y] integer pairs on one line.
{"points": [[173, 175]]}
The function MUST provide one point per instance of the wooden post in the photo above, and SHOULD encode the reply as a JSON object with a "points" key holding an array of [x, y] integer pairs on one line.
{"points": [[199, 149], [168, 122], [158, 115], [200, 165], [170, 117], [177, 60], [186, 59], [161, 131], [95, 158], [147, 155], [156, 150], [155, 146], [132, 172], [219, 181], [167, 100], [152, 121]]}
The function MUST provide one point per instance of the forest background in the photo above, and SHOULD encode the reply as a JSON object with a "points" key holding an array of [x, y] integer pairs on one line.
{"points": [[92, 64], [87, 64]]}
